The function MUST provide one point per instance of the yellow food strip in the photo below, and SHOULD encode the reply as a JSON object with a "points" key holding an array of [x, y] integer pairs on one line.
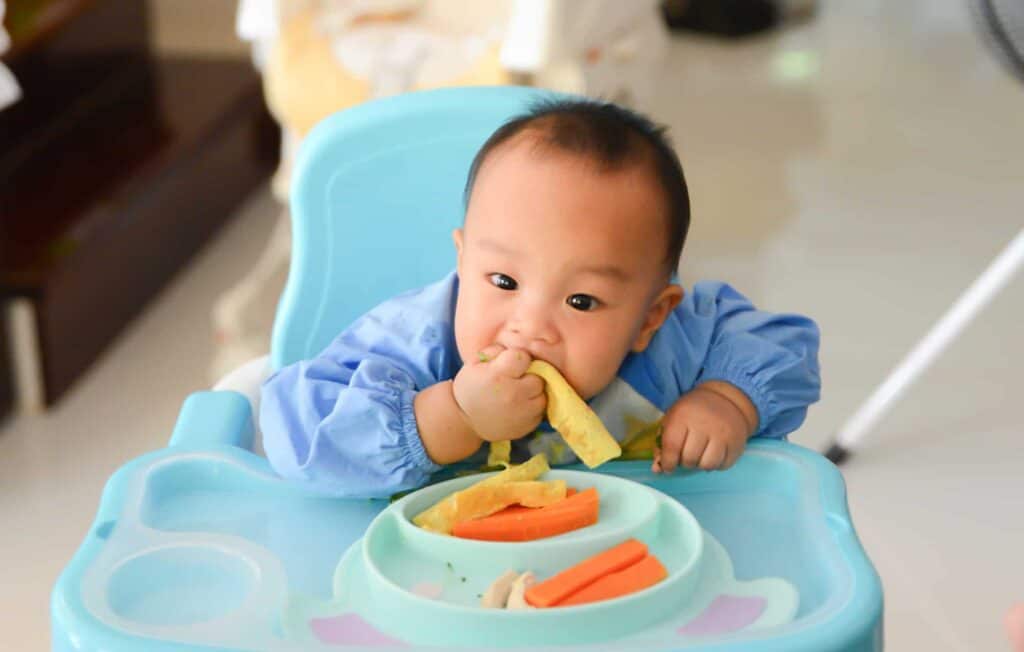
{"points": [[439, 517], [574, 420], [639, 444], [483, 500], [500, 453]]}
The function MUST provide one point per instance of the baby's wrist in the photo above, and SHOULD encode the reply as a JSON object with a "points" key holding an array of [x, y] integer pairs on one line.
{"points": [[738, 399], [446, 433], [464, 417]]}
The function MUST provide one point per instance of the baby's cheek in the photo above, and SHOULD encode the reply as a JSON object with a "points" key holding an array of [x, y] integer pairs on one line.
{"points": [[472, 332], [593, 368]]}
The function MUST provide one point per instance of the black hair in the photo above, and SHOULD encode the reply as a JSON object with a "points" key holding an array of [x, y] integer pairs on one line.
{"points": [[611, 136]]}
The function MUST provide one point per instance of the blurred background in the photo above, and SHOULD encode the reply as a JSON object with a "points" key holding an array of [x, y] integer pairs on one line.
{"points": [[858, 162]]}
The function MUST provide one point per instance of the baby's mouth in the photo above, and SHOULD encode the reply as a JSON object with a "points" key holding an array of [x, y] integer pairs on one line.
{"points": [[533, 353]]}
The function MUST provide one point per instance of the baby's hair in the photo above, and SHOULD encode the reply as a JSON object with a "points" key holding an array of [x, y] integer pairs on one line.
{"points": [[610, 136]]}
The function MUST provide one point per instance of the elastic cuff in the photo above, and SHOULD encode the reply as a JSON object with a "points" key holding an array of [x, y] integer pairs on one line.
{"points": [[409, 435], [747, 384]]}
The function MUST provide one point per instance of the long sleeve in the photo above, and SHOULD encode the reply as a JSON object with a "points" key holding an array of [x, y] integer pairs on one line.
{"points": [[343, 423], [717, 334]]}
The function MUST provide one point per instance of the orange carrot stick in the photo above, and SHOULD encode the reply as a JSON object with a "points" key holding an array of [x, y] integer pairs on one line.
{"points": [[644, 573], [555, 589], [527, 524]]}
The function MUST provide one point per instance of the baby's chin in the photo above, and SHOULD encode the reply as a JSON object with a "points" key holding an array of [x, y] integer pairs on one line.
{"points": [[588, 388]]}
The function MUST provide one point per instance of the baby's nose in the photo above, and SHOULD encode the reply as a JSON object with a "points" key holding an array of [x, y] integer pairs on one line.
{"points": [[530, 326]]}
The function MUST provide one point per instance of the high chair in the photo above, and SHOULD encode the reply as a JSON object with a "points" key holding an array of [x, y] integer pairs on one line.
{"points": [[200, 546]]}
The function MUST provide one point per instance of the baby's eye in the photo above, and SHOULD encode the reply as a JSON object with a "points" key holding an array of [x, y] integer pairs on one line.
{"points": [[583, 302], [503, 282]]}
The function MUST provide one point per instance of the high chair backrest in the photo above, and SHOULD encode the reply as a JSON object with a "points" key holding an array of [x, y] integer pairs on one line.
{"points": [[377, 190]]}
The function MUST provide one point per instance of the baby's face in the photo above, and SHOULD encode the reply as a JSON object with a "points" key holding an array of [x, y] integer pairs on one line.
{"points": [[562, 260]]}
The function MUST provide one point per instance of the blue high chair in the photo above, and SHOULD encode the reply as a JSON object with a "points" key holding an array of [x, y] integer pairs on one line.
{"points": [[199, 546]]}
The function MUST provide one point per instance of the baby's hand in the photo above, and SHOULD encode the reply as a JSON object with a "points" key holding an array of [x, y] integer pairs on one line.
{"points": [[706, 428], [498, 398]]}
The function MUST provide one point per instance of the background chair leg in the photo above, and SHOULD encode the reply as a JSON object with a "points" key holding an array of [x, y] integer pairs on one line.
{"points": [[966, 308]]}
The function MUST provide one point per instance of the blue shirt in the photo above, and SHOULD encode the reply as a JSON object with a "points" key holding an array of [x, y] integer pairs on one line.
{"points": [[343, 423]]}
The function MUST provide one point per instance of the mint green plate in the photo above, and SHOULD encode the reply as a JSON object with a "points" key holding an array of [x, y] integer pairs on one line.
{"points": [[422, 588]]}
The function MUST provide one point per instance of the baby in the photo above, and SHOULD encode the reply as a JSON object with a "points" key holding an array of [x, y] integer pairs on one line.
{"points": [[576, 214]]}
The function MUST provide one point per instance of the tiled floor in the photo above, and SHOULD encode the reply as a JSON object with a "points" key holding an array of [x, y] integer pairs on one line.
{"points": [[862, 168]]}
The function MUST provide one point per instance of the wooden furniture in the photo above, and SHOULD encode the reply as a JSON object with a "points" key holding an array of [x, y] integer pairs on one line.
{"points": [[115, 167]]}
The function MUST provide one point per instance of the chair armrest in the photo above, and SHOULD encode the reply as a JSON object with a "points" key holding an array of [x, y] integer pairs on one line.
{"points": [[210, 419], [246, 380]]}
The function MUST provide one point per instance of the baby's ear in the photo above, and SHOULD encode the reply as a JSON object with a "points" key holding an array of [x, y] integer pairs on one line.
{"points": [[457, 239], [657, 313]]}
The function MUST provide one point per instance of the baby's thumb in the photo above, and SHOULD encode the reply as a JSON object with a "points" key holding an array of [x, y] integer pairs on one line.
{"points": [[489, 353]]}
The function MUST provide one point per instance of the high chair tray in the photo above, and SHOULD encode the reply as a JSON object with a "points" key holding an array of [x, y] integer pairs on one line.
{"points": [[203, 547]]}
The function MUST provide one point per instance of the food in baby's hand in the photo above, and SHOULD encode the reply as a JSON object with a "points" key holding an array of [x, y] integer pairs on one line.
{"points": [[643, 438], [496, 595], [576, 511], [637, 577], [500, 453], [517, 596], [443, 516], [552, 591], [574, 420]]}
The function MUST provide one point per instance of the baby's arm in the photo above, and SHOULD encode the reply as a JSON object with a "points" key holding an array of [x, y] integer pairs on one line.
{"points": [[345, 427], [758, 374], [376, 413], [344, 423]]}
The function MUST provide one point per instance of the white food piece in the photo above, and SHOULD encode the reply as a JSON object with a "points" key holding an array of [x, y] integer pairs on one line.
{"points": [[517, 596], [496, 595]]}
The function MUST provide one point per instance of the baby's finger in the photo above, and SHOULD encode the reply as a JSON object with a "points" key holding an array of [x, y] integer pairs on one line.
{"points": [[714, 455], [536, 408], [732, 453], [489, 353], [728, 460], [531, 386], [656, 463], [671, 445], [696, 442], [512, 362]]}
